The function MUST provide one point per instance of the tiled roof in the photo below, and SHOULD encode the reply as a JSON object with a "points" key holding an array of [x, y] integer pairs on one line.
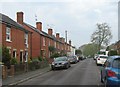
{"points": [[43, 33], [8, 21]]}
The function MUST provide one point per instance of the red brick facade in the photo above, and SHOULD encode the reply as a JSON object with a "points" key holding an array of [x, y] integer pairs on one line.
{"points": [[118, 46], [16, 44], [38, 40]]}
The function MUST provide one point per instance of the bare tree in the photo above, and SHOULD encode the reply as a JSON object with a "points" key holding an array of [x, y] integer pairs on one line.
{"points": [[102, 35]]}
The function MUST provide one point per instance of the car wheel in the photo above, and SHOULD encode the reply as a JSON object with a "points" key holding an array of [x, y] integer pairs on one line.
{"points": [[67, 66], [53, 68]]}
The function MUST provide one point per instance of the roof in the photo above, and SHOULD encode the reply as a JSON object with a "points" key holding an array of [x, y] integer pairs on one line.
{"points": [[42, 33], [10, 22], [117, 42]]}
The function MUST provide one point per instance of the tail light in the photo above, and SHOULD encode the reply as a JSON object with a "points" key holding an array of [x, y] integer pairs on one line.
{"points": [[98, 58], [111, 73]]}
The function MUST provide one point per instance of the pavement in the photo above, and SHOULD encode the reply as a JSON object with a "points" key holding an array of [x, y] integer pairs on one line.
{"points": [[17, 79]]}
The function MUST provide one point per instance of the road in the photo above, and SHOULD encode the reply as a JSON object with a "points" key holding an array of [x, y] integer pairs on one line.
{"points": [[83, 73]]}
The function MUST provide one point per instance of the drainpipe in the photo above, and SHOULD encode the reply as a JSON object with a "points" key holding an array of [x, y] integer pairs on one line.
{"points": [[31, 44]]}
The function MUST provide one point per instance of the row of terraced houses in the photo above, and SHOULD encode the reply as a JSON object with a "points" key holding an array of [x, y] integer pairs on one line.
{"points": [[25, 41]]}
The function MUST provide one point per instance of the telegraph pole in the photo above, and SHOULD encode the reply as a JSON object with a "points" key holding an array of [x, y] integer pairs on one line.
{"points": [[66, 35]]}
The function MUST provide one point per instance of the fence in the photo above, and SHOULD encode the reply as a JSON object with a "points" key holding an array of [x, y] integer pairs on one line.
{"points": [[22, 68]]}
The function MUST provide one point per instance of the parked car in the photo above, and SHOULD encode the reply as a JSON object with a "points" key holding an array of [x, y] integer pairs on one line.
{"points": [[77, 58], [60, 62], [110, 72], [101, 59], [72, 59], [95, 57]]}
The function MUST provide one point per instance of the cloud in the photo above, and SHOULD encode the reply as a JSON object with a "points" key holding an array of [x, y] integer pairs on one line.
{"points": [[78, 17]]}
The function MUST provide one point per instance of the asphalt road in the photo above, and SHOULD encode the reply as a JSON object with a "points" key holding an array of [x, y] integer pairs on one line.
{"points": [[83, 73]]}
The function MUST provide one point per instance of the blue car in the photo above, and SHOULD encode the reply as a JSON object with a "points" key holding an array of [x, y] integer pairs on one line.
{"points": [[110, 72]]}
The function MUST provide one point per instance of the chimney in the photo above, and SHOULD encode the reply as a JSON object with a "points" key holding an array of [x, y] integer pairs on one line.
{"points": [[70, 42], [62, 39], [50, 31], [39, 25], [20, 17], [58, 36]]}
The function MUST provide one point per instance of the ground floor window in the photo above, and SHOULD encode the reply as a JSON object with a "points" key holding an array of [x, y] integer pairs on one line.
{"points": [[14, 53], [21, 56], [26, 56]]}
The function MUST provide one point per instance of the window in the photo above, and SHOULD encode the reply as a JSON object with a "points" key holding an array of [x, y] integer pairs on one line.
{"points": [[14, 54], [26, 39], [55, 44], [107, 64], [26, 56], [43, 41], [116, 63], [21, 56], [8, 34], [49, 42]]}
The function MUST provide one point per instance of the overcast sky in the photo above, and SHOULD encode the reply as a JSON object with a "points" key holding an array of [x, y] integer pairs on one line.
{"points": [[78, 17]]}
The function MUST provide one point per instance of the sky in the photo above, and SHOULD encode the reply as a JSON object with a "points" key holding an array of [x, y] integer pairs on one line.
{"points": [[78, 17]]}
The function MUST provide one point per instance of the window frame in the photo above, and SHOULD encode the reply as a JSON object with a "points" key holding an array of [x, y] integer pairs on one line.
{"points": [[15, 55], [8, 33], [44, 41]]}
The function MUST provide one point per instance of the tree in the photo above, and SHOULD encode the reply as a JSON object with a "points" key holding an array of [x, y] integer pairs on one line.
{"points": [[6, 57], [102, 35], [78, 52], [90, 49]]}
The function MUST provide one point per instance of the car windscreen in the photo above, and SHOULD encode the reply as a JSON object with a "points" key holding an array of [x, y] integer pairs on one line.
{"points": [[105, 57], [116, 63], [60, 59], [70, 57]]}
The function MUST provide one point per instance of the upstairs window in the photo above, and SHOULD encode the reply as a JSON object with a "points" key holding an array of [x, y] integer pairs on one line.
{"points": [[43, 41], [26, 38], [8, 34], [55, 44]]}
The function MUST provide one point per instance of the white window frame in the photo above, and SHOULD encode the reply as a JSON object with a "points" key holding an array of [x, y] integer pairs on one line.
{"points": [[55, 44], [14, 50], [44, 41], [8, 33], [22, 54], [49, 43], [26, 56], [26, 39]]}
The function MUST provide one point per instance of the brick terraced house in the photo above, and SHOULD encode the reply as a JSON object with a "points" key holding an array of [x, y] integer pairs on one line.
{"points": [[42, 40], [16, 38], [25, 41], [118, 46]]}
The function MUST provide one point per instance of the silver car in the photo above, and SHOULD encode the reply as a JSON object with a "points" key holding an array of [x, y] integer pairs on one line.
{"points": [[60, 62]]}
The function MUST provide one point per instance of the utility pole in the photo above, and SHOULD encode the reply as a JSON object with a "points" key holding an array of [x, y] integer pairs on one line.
{"points": [[35, 18], [66, 35]]}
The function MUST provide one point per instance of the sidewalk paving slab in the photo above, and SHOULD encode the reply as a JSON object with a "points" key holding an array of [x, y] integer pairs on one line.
{"points": [[24, 77]]}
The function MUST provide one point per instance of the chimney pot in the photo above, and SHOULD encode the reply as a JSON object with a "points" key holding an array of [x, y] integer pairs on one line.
{"points": [[39, 25], [50, 32], [57, 35], [20, 17]]}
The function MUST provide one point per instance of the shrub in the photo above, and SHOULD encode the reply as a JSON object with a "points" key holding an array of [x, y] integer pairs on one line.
{"points": [[36, 63], [13, 61], [6, 57], [55, 55], [40, 58]]}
